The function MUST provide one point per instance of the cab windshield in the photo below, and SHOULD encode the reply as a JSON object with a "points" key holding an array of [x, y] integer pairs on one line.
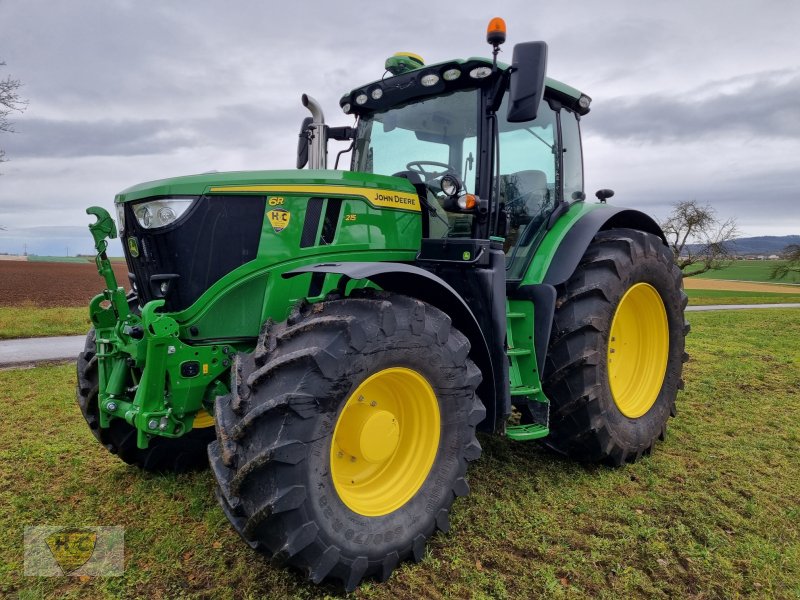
{"points": [[430, 137]]}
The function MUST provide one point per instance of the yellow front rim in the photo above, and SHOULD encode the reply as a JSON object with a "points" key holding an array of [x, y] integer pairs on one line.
{"points": [[202, 419], [385, 441], [638, 349]]}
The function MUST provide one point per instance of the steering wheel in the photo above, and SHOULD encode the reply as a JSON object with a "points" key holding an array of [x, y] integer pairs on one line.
{"points": [[416, 166]]}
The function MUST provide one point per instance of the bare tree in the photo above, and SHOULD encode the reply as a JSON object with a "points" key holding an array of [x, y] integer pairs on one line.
{"points": [[10, 102], [791, 254], [699, 241]]}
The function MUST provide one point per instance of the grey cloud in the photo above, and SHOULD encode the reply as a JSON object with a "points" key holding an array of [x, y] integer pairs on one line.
{"points": [[763, 105], [753, 199], [237, 125], [122, 92], [53, 138]]}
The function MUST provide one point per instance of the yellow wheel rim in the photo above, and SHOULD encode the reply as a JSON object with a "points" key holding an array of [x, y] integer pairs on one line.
{"points": [[638, 349], [385, 441], [202, 419]]}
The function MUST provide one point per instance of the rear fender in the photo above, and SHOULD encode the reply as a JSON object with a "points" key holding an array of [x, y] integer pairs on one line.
{"points": [[566, 257]]}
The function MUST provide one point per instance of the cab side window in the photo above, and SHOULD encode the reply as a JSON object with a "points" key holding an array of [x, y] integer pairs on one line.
{"points": [[573, 159], [528, 183]]}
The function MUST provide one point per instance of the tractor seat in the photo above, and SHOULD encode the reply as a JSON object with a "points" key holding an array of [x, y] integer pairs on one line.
{"points": [[524, 193]]}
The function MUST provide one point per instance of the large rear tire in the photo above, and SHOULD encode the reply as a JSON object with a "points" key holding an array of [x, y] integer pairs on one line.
{"points": [[163, 455], [616, 351], [346, 437]]}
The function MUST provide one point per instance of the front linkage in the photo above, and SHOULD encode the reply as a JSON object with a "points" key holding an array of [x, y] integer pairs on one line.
{"points": [[176, 390]]}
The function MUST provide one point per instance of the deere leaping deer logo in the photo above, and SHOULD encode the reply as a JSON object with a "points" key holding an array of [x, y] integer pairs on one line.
{"points": [[72, 548]]}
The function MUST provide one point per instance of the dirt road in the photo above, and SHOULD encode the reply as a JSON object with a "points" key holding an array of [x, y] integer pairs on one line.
{"points": [[692, 283]]}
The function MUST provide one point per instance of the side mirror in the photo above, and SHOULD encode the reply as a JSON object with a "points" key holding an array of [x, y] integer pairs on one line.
{"points": [[302, 143], [528, 67]]}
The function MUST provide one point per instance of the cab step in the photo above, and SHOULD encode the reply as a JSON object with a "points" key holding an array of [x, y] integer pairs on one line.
{"points": [[524, 391], [518, 352], [523, 433]]}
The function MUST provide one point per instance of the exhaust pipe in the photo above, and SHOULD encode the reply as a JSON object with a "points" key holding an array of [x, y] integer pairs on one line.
{"points": [[317, 135]]}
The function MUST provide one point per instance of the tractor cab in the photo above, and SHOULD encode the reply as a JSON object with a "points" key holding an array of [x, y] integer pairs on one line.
{"points": [[487, 156], [494, 153]]}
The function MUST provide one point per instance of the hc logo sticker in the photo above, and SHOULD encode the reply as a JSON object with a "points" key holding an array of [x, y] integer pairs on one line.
{"points": [[279, 219]]}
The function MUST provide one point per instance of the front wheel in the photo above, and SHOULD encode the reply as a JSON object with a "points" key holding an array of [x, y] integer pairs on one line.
{"points": [[346, 437], [163, 455], [616, 350]]}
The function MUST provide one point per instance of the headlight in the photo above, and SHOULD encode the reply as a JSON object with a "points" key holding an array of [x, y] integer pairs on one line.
{"points": [[159, 213], [120, 218], [450, 185]]}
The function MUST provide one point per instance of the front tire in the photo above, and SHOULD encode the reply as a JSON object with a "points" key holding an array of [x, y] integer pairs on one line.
{"points": [[163, 455], [616, 351], [346, 437]]}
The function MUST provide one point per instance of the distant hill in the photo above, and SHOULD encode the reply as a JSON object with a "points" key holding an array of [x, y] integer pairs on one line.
{"points": [[761, 245]]}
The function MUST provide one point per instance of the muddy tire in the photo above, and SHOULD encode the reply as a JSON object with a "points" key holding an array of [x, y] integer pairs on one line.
{"points": [[164, 455], [616, 352], [286, 448]]}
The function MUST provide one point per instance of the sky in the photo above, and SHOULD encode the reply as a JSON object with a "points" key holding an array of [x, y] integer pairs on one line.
{"points": [[692, 100]]}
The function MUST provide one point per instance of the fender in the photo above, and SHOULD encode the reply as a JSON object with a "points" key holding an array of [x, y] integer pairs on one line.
{"points": [[572, 247], [420, 284], [565, 260]]}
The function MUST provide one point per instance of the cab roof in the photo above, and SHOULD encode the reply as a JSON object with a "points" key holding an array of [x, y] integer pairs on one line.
{"points": [[472, 72]]}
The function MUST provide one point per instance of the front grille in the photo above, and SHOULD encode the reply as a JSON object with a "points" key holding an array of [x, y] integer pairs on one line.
{"points": [[217, 235]]}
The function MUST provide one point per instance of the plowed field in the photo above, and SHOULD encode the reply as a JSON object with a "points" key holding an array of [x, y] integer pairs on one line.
{"points": [[52, 284]]}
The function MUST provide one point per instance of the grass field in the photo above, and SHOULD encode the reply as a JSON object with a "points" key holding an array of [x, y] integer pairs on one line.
{"points": [[32, 321], [67, 259], [751, 270], [25, 319], [714, 513]]}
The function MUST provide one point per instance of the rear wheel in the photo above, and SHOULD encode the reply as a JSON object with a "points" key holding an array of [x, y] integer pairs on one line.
{"points": [[347, 434], [616, 350], [164, 455]]}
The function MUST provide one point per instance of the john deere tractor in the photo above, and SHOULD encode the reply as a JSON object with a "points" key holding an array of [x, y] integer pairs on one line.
{"points": [[330, 341]]}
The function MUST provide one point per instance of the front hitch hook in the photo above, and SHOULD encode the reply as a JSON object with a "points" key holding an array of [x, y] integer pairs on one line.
{"points": [[102, 229]]}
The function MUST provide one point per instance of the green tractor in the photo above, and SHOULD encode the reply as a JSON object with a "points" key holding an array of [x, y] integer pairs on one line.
{"points": [[332, 341]]}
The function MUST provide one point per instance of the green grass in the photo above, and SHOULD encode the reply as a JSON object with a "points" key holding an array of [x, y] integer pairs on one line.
{"points": [[712, 514], [70, 259], [31, 321], [750, 270], [705, 297]]}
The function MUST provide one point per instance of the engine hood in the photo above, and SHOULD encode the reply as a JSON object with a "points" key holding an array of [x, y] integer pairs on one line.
{"points": [[198, 185]]}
